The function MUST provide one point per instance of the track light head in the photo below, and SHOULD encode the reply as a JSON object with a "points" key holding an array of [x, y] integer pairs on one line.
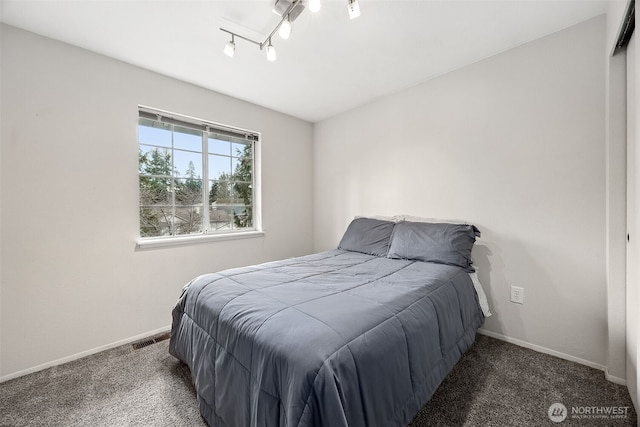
{"points": [[293, 8], [314, 5], [230, 48], [285, 29], [354, 9], [271, 52]]}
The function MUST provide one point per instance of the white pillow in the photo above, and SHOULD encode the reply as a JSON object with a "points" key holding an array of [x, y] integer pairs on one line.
{"points": [[412, 218], [379, 217], [482, 297]]}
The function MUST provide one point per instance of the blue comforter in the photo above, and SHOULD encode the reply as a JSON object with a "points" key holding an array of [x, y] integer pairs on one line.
{"points": [[332, 339]]}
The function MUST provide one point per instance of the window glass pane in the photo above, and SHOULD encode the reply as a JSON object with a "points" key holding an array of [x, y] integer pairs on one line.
{"points": [[155, 191], [155, 221], [187, 139], [220, 225], [154, 133], [243, 217], [218, 146], [188, 220], [188, 192], [219, 167], [238, 150], [154, 161], [243, 192], [220, 192], [220, 218], [234, 195], [187, 164], [243, 165], [228, 138]]}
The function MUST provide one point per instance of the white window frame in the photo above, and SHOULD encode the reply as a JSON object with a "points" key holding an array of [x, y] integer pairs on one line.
{"points": [[208, 235]]}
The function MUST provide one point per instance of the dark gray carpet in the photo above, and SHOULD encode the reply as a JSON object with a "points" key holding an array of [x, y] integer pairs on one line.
{"points": [[118, 387], [500, 384], [494, 384]]}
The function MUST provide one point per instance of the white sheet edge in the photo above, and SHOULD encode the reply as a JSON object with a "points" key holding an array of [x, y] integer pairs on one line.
{"points": [[482, 297]]}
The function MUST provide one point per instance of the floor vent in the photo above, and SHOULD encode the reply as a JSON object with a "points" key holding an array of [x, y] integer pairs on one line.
{"points": [[152, 340]]}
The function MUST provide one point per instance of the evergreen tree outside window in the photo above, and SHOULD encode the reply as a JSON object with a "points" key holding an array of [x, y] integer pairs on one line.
{"points": [[195, 177]]}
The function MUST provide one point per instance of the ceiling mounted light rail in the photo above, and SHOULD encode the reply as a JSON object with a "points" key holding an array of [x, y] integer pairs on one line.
{"points": [[288, 10]]}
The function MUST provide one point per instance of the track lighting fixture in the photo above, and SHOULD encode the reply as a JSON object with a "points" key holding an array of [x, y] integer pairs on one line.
{"points": [[354, 9], [230, 47], [288, 10]]}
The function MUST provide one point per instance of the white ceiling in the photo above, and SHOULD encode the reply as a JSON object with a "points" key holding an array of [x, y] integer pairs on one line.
{"points": [[330, 64]]}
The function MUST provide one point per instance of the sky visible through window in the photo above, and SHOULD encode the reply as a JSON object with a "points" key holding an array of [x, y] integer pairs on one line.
{"points": [[223, 156]]}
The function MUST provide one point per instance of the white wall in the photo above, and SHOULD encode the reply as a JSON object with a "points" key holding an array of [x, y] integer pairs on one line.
{"points": [[514, 144], [72, 280]]}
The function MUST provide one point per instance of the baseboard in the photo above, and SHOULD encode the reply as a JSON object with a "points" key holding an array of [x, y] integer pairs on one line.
{"points": [[83, 354], [550, 352], [501, 337], [614, 379]]}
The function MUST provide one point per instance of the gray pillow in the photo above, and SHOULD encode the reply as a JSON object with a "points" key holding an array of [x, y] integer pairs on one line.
{"points": [[367, 235], [441, 243]]}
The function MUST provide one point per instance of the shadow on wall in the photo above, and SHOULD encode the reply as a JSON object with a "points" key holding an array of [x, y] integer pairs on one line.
{"points": [[490, 266]]}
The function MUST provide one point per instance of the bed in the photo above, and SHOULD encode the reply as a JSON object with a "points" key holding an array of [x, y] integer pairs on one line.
{"points": [[357, 336]]}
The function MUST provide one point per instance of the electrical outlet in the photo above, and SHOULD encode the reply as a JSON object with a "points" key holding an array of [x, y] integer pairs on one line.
{"points": [[517, 295]]}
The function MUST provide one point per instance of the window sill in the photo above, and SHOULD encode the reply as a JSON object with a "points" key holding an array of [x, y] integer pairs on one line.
{"points": [[167, 242]]}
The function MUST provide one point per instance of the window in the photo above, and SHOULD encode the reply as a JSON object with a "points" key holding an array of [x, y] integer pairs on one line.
{"points": [[195, 177]]}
